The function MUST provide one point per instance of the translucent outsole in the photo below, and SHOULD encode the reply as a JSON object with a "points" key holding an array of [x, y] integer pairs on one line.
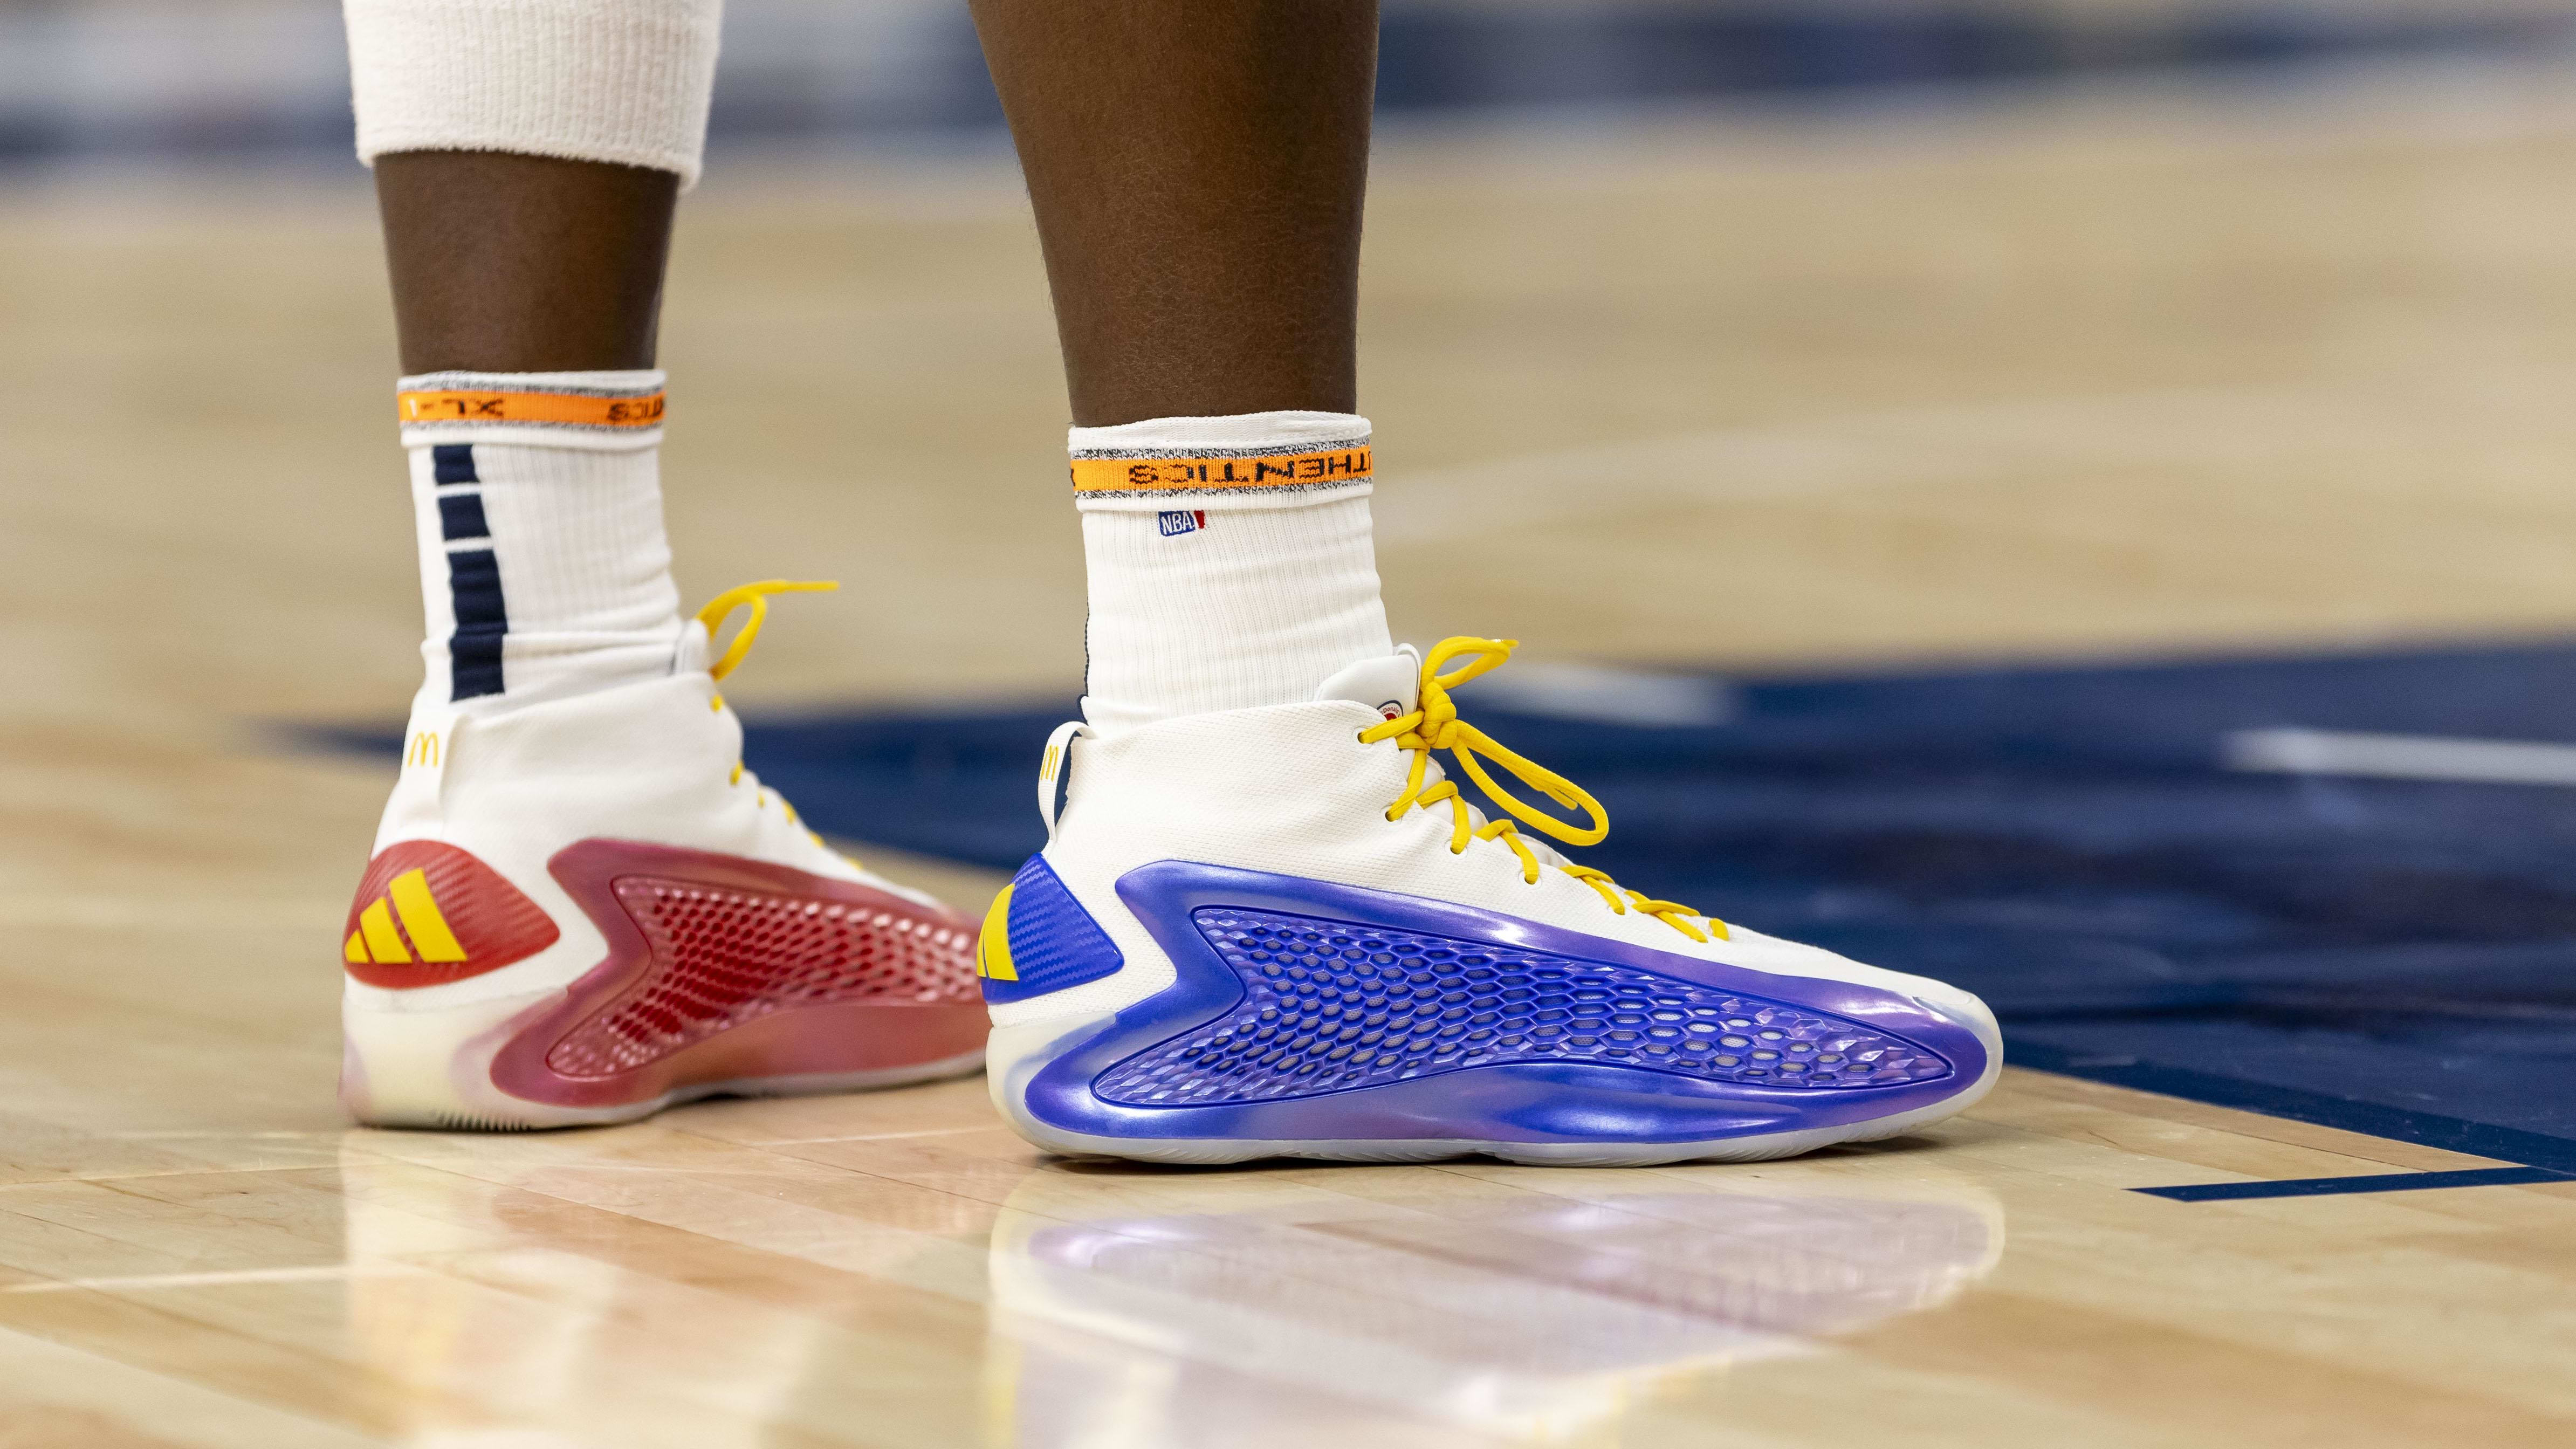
{"points": [[432, 1071]]}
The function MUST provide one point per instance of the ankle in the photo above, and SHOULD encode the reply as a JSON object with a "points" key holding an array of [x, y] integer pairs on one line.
{"points": [[545, 572], [1230, 560]]}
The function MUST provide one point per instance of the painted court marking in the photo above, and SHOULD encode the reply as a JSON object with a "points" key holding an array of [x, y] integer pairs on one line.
{"points": [[1608, 694], [313, 1273], [170, 913], [1899, 448], [2399, 757], [2368, 1182]]}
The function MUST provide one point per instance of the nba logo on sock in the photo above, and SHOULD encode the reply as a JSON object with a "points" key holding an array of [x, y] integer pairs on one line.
{"points": [[1188, 520]]}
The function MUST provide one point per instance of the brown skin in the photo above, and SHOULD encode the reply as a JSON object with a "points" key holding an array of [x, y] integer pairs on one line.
{"points": [[508, 263], [1197, 168]]}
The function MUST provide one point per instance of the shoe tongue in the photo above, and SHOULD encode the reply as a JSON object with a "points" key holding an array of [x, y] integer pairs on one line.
{"points": [[691, 654], [1387, 684]]}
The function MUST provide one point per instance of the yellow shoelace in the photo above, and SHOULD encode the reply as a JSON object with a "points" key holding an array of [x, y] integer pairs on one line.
{"points": [[719, 609], [1435, 725]]}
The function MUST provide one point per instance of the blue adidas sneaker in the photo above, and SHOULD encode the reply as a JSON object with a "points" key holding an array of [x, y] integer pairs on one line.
{"points": [[1282, 932]]}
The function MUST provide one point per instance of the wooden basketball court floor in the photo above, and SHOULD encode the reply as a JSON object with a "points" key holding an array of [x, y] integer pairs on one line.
{"points": [[2125, 371]]}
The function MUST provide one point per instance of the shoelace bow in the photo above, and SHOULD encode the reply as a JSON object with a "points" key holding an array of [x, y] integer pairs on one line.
{"points": [[713, 616], [1435, 725]]}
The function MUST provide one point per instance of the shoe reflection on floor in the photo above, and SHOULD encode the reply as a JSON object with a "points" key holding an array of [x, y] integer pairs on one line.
{"points": [[638, 1288], [1534, 1310], [635, 1288]]}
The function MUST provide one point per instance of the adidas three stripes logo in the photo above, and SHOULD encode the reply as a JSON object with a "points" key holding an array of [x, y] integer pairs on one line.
{"points": [[427, 912], [376, 940]]}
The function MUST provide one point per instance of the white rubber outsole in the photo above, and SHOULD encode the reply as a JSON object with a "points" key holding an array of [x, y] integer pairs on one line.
{"points": [[432, 1070]]}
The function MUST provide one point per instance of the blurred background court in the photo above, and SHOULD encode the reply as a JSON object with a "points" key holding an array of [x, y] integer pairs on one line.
{"points": [[2088, 480]]}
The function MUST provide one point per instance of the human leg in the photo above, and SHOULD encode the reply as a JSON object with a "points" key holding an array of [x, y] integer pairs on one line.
{"points": [[580, 906], [1265, 922]]}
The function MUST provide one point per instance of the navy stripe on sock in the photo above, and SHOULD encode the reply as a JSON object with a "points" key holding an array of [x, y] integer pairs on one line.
{"points": [[460, 516], [482, 622], [453, 463]]}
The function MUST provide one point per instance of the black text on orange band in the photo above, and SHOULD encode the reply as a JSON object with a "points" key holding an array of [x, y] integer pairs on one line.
{"points": [[578, 409], [1277, 470]]}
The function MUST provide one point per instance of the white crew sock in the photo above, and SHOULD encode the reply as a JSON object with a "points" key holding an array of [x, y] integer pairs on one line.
{"points": [[1230, 561], [544, 571]]}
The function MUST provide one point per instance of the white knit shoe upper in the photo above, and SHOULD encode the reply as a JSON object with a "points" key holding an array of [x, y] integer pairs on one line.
{"points": [[1293, 790], [654, 762]]}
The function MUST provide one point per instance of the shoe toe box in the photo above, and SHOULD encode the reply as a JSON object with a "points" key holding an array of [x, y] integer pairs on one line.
{"points": [[1955, 1005]]}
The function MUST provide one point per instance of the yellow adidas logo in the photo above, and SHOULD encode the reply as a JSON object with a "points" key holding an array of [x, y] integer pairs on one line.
{"points": [[993, 947], [376, 941]]}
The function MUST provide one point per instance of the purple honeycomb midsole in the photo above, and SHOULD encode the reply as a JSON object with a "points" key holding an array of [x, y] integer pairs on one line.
{"points": [[1521, 1101]]}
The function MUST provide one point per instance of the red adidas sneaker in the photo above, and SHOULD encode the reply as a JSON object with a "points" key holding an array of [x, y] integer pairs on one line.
{"points": [[585, 910]]}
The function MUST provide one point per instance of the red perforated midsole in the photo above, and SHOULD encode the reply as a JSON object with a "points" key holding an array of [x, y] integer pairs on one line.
{"points": [[722, 957], [721, 969]]}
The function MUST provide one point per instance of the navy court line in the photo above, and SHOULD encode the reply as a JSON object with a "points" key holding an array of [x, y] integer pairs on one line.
{"points": [[2425, 1129], [2372, 1182]]}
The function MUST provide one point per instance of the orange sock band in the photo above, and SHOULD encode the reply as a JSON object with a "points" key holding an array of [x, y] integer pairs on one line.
{"points": [[455, 405], [610, 411], [1220, 472]]}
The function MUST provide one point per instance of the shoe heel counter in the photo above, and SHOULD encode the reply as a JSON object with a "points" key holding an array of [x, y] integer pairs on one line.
{"points": [[416, 808], [1037, 939], [427, 913]]}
